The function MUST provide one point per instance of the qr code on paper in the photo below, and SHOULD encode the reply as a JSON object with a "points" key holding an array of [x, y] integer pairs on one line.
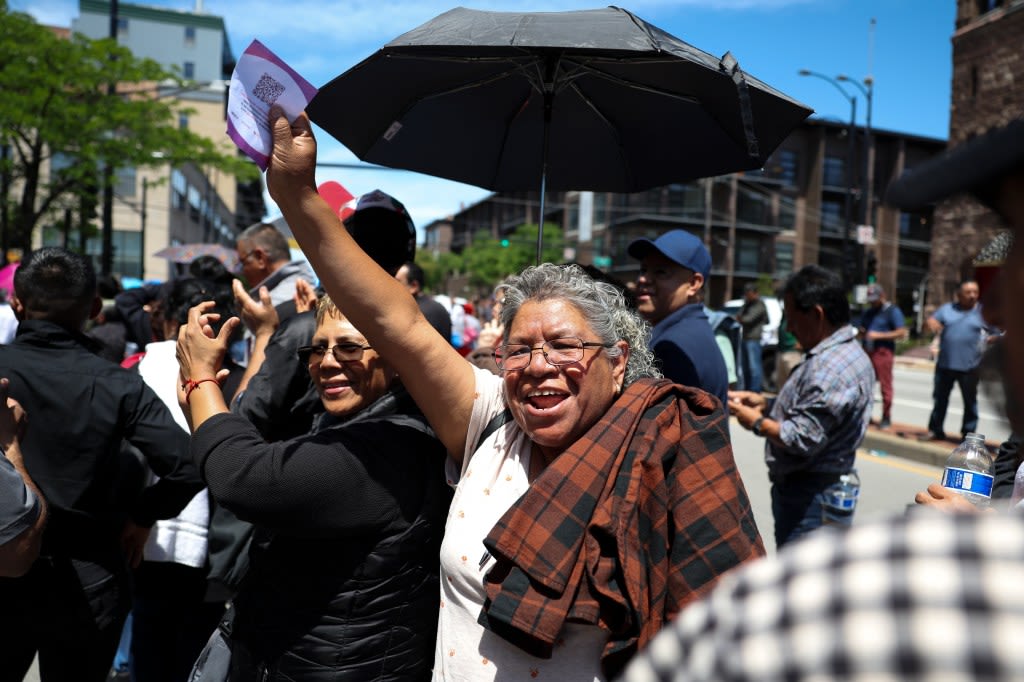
{"points": [[267, 89]]}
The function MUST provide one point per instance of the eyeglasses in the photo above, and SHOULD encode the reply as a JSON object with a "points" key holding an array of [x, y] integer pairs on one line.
{"points": [[343, 352], [564, 351]]}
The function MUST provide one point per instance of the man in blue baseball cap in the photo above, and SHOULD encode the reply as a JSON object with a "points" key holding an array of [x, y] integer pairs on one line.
{"points": [[669, 292]]}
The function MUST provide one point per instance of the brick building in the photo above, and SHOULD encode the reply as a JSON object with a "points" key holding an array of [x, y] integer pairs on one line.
{"points": [[757, 225], [988, 91]]}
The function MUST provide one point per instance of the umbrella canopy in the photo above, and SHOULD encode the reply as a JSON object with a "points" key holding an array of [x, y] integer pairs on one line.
{"points": [[186, 253], [589, 100]]}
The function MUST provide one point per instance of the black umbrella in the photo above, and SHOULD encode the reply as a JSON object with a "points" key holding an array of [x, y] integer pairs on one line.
{"points": [[587, 100]]}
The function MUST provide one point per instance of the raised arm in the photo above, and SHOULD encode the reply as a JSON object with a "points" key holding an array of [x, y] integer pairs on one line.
{"points": [[438, 378]]}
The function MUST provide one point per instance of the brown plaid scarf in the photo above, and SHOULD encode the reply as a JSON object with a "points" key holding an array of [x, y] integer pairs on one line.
{"points": [[639, 517]]}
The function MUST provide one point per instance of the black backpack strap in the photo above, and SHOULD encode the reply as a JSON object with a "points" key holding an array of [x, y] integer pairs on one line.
{"points": [[496, 422]]}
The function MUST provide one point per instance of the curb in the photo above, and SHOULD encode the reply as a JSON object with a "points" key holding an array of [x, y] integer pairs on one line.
{"points": [[885, 444]]}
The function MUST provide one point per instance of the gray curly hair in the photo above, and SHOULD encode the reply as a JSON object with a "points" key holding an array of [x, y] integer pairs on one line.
{"points": [[603, 306]]}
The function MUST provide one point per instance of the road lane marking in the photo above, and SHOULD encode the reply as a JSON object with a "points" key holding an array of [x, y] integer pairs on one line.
{"points": [[900, 463]]}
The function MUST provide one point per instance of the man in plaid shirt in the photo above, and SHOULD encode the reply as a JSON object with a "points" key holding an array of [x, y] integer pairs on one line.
{"points": [[813, 428]]}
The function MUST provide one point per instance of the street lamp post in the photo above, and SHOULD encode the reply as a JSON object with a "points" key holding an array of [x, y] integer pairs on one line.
{"points": [[867, 196], [851, 163]]}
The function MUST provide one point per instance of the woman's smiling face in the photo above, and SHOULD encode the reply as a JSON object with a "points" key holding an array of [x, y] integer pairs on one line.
{"points": [[347, 387], [556, 405]]}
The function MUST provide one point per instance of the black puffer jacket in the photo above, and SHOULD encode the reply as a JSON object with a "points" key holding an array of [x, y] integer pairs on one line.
{"points": [[346, 587]]}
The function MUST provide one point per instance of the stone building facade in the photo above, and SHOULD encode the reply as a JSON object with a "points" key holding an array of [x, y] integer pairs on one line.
{"points": [[987, 91]]}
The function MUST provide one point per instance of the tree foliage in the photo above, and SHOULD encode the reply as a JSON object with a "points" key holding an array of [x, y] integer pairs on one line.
{"points": [[57, 104], [487, 261]]}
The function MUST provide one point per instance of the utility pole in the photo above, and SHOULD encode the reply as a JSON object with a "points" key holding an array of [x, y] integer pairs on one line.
{"points": [[107, 247]]}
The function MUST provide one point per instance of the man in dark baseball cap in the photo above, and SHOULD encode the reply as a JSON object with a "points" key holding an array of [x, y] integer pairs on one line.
{"points": [[384, 230], [669, 293]]}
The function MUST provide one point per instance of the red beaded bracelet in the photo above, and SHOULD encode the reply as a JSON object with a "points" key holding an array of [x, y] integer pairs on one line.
{"points": [[191, 385]]}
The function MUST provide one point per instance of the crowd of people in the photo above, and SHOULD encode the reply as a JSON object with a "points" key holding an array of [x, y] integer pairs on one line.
{"points": [[350, 481]]}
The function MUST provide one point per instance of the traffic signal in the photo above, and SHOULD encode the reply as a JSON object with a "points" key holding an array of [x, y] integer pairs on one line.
{"points": [[872, 266], [504, 243]]}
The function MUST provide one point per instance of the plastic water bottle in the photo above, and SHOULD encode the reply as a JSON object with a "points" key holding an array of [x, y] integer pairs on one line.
{"points": [[970, 470], [841, 500]]}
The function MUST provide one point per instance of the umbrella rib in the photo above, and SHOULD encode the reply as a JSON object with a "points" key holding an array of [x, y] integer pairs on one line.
{"points": [[581, 66]]}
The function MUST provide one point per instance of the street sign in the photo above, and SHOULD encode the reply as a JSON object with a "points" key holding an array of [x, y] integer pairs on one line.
{"points": [[866, 235]]}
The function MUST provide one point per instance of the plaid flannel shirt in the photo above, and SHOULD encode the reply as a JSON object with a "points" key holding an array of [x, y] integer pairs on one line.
{"points": [[635, 520], [824, 408]]}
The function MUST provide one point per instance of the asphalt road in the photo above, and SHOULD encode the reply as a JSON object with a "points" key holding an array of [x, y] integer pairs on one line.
{"points": [[912, 405]]}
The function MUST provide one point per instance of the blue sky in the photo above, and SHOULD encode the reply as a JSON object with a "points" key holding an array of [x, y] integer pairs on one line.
{"points": [[909, 55]]}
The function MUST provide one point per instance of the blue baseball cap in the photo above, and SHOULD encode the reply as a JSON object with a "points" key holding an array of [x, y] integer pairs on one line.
{"points": [[679, 246]]}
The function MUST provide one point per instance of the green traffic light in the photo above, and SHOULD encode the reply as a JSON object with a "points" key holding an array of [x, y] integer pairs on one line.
{"points": [[504, 243]]}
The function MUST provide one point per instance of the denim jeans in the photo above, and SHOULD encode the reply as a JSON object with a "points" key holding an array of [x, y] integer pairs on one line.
{"points": [[752, 371], [796, 504]]}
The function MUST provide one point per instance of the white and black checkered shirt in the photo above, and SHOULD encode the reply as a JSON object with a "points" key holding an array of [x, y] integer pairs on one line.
{"points": [[927, 597]]}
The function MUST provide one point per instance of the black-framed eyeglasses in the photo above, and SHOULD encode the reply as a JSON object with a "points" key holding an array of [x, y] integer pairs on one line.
{"points": [[343, 352], [562, 351]]}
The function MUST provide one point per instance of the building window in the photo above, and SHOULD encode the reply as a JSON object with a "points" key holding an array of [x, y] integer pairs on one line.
{"points": [[124, 182], [787, 213], [58, 162], [783, 259], [831, 217], [189, 70], [915, 226], [686, 200], [179, 186], [752, 207], [787, 166], [835, 171], [748, 254], [190, 35]]}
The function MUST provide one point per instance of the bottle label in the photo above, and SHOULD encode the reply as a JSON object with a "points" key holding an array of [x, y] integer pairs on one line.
{"points": [[844, 502], [967, 481]]}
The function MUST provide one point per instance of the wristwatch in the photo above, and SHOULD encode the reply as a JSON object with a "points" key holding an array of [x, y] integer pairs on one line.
{"points": [[756, 426]]}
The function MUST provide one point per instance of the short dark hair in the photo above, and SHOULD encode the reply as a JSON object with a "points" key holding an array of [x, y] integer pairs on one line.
{"points": [[415, 273], [268, 238], [813, 285], [57, 285], [186, 292]]}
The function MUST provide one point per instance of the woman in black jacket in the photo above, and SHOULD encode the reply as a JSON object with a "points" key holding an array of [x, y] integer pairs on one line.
{"points": [[343, 577]]}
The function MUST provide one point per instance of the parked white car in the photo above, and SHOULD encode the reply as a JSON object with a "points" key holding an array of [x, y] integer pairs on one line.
{"points": [[770, 333]]}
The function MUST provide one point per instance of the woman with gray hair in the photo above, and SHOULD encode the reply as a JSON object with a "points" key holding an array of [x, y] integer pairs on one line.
{"points": [[593, 499]]}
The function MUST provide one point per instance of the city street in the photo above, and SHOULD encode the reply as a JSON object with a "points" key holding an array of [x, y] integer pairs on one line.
{"points": [[912, 404]]}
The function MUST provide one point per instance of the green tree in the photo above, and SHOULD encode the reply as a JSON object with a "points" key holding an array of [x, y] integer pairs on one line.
{"points": [[489, 260], [56, 104], [437, 268]]}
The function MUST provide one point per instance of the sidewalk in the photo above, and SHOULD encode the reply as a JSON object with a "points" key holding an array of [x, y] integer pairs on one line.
{"points": [[905, 440], [919, 357]]}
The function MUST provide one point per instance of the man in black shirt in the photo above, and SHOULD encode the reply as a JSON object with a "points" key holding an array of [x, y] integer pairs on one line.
{"points": [[411, 275], [71, 604]]}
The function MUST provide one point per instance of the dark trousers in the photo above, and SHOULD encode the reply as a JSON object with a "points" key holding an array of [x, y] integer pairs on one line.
{"points": [[170, 621], [881, 360], [796, 504], [70, 612], [942, 387], [752, 365]]}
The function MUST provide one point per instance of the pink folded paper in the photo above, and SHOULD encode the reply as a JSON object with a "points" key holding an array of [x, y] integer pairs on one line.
{"points": [[260, 80]]}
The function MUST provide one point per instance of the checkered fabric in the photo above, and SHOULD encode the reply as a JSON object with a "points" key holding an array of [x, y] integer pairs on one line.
{"points": [[927, 597]]}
